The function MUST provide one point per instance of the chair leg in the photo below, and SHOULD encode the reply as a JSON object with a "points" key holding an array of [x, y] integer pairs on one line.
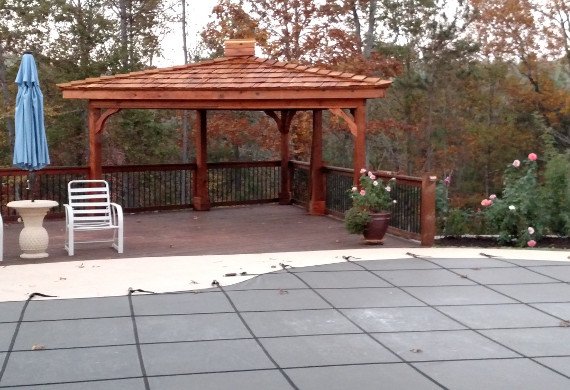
{"points": [[119, 239], [70, 242]]}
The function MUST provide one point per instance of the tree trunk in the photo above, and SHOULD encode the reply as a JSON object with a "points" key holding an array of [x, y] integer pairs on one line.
{"points": [[357, 28], [369, 37], [123, 17]]}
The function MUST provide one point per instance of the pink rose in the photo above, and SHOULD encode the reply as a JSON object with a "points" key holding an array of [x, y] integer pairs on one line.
{"points": [[532, 157], [492, 196], [486, 202], [531, 243], [363, 170], [362, 192], [516, 163]]}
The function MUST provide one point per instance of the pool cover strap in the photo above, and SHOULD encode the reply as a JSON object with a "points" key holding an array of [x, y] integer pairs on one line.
{"points": [[136, 333], [287, 378], [17, 329]]}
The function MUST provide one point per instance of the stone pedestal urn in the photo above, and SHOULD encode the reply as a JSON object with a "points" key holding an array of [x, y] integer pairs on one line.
{"points": [[34, 237]]}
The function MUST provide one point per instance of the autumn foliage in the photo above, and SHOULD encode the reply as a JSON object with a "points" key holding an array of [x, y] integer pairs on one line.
{"points": [[474, 81]]}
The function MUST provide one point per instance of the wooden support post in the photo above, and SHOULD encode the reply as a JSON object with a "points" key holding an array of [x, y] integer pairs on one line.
{"points": [[359, 141], [96, 122], [317, 202], [427, 211], [201, 199], [95, 170], [284, 125]]}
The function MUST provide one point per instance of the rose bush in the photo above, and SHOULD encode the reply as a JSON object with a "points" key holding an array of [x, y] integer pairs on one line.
{"points": [[518, 214]]}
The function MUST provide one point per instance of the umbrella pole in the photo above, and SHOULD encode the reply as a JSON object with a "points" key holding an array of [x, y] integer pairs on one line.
{"points": [[31, 184]]}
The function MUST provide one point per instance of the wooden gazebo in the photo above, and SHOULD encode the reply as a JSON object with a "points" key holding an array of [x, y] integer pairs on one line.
{"points": [[237, 81]]}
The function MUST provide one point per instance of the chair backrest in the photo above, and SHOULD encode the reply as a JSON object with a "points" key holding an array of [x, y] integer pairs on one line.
{"points": [[90, 201]]}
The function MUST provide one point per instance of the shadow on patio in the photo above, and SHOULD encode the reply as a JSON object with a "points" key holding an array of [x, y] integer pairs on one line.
{"points": [[221, 231]]}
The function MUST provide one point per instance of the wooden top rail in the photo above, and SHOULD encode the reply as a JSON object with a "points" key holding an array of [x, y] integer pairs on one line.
{"points": [[145, 168], [137, 168], [245, 164], [410, 180], [44, 171], [300, 163]]}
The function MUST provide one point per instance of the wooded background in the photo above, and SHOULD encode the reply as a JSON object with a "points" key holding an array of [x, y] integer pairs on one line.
{"points": [[476, 84]]}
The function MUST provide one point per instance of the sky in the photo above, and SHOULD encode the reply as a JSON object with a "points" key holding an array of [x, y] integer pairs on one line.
{"points": [[197, 15]]}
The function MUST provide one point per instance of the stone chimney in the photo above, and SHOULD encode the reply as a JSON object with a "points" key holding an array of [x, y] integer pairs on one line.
{"points": [[239, 47]]}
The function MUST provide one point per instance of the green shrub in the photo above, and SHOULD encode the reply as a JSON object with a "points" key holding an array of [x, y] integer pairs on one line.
{"points": [[456, 223], [356, 219], [556, 193]]}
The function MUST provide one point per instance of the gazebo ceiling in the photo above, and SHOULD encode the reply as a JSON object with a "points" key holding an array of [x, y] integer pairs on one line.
{"points": [[239, 76]]}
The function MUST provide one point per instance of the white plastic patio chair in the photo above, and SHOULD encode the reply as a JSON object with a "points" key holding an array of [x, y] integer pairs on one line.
{"points": [[90, 208]]}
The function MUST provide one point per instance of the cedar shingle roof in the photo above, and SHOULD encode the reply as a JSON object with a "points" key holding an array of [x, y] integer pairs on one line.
{"points": [[246, 73]]}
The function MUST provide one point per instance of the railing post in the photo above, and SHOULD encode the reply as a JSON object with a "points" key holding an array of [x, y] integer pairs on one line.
{"points": [[427, 210]]}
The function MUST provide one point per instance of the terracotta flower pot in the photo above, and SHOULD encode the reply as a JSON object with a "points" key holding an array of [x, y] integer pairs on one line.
{"points": [[376, 228]]}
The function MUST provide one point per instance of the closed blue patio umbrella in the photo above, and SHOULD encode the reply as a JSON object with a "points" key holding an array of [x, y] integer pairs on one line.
{"points": [[30, 146]]}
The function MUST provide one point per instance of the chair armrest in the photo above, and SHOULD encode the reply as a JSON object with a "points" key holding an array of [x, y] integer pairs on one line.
{"points": [[68, 214], [117, 212]]}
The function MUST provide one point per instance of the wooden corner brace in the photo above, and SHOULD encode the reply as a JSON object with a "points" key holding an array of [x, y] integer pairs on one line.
{"points": [[103, 118], [338, 112]]}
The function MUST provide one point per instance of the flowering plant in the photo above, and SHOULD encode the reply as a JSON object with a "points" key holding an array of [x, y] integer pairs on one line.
{"points": [[373, 196], [517, 213]]}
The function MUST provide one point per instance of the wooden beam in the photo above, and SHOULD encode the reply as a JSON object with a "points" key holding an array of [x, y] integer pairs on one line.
{"points": [[317, 185], [247, 104], [284, 125], [96, 122], [220, 95], [289, 118], [283, 122], [359, 161], [338, 112], [201, 198], [95, 171]]}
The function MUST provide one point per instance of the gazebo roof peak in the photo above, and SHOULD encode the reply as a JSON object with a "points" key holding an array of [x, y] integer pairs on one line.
{"points": [[239, 47]]}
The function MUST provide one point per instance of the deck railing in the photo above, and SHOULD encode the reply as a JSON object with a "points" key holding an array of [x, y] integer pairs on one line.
{"points": [[412, 214], [151, 187], [169, 186], [234, 183]]}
